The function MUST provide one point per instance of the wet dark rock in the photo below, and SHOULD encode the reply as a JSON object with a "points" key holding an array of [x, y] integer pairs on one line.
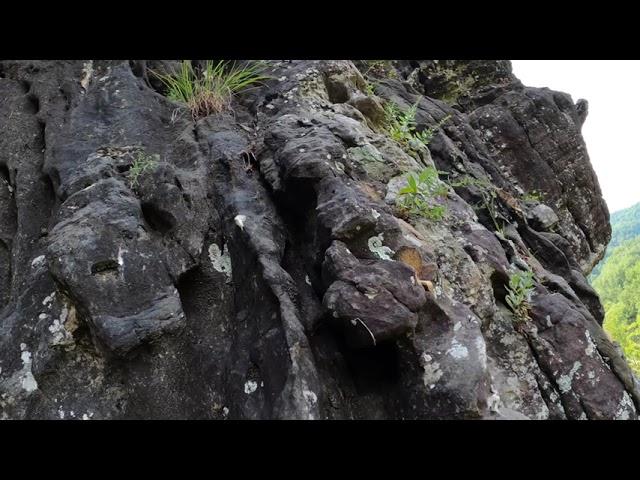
{"points": [[259, 268]]}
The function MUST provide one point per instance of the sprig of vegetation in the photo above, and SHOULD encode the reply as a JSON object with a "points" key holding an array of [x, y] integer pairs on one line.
{"points": [[370, 88], [425, 136], [533, 196], [211, 90], [468, 180], [380, 68], [401, 125], [141, 164], [520, 288], [417, 197]]}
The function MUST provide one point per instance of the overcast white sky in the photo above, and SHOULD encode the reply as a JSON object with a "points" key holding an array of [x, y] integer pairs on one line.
{"points": [[612, 128]]}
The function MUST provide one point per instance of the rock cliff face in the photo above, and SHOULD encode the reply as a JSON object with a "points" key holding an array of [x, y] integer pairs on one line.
{"points": [[259, 269]]}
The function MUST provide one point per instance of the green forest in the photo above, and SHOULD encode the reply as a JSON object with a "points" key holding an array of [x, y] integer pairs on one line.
{"points": [[617, 281]]}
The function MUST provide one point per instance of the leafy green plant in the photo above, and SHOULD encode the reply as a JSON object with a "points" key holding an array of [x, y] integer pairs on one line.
{"points": [[425, 136], [141, 164], [417, 197], [520, 288], [370, 88], [211, 90], [402, 125], [490, 204], [533, 196]]}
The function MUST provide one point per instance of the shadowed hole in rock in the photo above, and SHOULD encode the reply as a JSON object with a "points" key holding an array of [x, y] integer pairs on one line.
{"points": [[373, 369], [270, 96], [199, 291], [4, 174], [297, 207], [157, 219], [337, 91], [52, 203], [54, 179], [33, 104], [25, 86], [5, 274], [498, 284], [104, 266], [40, 143]]}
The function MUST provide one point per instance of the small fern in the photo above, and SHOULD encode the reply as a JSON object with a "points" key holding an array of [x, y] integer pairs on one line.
{"points": [[402, 125]]}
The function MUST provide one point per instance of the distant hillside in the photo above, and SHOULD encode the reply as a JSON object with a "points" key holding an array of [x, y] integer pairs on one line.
{"points": [[617, 280], [619, 288], [625, 225]]}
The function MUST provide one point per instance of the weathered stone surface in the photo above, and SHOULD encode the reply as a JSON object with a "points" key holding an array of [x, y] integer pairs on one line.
{"points": [[260, 268]]}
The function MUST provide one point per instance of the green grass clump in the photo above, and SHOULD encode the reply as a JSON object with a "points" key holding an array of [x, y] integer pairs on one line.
{"points": [[141, 164], [520, 288], [210, 91], [418, 196]]}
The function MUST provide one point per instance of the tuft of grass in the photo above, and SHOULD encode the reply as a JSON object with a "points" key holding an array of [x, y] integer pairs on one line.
{"points": [[210, 91], [141, 164], [417, 197], [520, 288]]}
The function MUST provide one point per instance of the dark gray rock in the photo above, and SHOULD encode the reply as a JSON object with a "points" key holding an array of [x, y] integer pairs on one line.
{"points": [[260, 269]]}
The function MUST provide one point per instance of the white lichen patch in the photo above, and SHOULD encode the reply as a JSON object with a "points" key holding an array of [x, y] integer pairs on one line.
{"points": [[47, 300], [591, 346], [87, 71], [564, 382], [239, 221], [60, 327], [121, 252], [481, 347], [509, 339], [432, 372], [221, 260], [493, 401], [27, 379], [310, 397], [38, 261], [376, 246], [250, 386], [625, 408], [457, 350]]}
